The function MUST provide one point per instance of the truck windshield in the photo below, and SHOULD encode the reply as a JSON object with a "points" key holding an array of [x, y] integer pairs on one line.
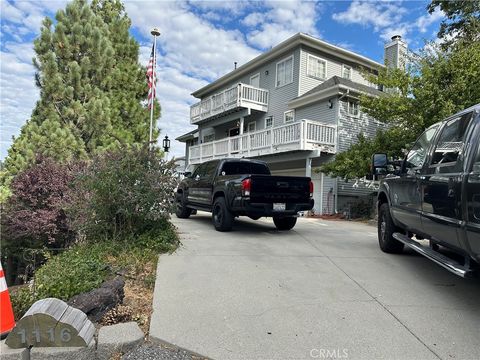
{"points": [[240, 168]]}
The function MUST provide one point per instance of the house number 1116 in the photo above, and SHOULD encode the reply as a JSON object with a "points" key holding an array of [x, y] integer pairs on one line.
{"points": [[65, 335]]}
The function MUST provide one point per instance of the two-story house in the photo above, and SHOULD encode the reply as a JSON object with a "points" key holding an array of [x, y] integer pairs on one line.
{"points": [[294, 106]]}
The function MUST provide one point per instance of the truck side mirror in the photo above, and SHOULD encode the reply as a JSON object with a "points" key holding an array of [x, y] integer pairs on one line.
{"points": [[379, 164]]}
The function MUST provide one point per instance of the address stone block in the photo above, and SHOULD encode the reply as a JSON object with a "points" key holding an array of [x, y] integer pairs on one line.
{"points": [[118, 338], [51, 323]]}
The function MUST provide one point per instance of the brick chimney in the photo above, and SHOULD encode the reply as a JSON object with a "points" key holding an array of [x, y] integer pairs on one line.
{"points": [[395, 53]]}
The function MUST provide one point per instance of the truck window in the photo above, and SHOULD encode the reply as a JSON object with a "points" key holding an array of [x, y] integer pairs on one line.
{"points": [[451, 140], [416, 157], [240, 168]]}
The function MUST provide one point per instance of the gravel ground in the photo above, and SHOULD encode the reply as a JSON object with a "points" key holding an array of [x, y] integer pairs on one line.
{"points": [[150, 351]]}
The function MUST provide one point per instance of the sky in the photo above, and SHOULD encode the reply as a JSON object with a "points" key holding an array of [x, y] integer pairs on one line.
{"points": [[201, 40]]}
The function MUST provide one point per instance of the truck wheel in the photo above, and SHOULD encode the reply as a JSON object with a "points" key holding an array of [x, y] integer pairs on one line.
{"points": [[182, 211], [285, 223], [221, 216], [386, 228]]}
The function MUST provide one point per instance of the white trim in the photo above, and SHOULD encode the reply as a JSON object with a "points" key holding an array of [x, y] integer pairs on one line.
{"points": [[308, 67], [276, 70], [265, 124], [253, 76], [343, 70], [285, 117]]}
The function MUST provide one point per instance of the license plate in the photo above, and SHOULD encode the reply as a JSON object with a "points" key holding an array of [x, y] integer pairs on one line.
{"points": [[278, 206]]}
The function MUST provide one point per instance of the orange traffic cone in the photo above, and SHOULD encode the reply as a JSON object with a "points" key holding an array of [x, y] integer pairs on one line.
{"points": [[7, 321]]}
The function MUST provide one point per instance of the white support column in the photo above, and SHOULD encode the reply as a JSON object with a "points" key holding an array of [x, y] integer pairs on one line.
{"points": [[242, 122], [308, 167]]}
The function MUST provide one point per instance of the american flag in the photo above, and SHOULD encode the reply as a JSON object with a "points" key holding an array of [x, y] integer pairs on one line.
{"points": [[151, 80]]}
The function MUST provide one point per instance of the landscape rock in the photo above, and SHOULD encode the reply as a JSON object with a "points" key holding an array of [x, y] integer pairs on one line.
{"points": [[118, 338], [97, 302]]}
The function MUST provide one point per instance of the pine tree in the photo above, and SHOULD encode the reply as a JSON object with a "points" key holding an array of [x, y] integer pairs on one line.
{"points": [[130, 121], [91, 87]]}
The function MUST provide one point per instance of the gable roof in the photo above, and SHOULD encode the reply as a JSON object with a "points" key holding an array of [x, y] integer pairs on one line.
{"points": [[330, 87], [289, 44]]}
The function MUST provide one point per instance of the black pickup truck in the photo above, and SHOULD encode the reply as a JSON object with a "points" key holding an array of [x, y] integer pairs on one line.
{"points": [[431, 203], [233, 187]]}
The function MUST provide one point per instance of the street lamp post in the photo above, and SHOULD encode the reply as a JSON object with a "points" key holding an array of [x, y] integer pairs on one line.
{"points": [[155, 33], [166, 145]]}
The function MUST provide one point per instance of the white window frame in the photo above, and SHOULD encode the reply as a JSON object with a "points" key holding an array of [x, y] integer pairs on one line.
{"points": [[308, 67], [254, 76], [285, 116], [349, 112], [291, 73], [343, 71], [254, 126], [271, 125]]}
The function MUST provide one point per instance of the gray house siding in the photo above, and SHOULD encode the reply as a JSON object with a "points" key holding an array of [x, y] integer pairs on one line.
{"points": [[319, 111]]}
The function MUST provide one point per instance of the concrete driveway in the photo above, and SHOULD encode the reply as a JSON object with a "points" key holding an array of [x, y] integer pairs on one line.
{"points": [[321, 291]]}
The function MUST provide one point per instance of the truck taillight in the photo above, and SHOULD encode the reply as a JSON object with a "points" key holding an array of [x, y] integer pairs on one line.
{"points": [[246, 186], [311, 188]]}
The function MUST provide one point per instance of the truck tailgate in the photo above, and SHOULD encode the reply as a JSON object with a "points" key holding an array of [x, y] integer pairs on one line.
{"points": [[282, 189]]}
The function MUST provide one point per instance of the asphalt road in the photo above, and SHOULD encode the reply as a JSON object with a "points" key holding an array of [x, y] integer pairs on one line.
{"points": [[323, 290]]}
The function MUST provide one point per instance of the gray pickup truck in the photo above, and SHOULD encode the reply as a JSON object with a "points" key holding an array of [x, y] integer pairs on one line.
{"points": [[431, 202], [242, 187]]}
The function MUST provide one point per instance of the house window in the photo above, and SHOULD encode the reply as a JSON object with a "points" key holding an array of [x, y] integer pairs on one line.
{"points": [[251, 126], [285, 72], [316, 67], [353, 109], [289, 116], [268, 121], [347, 72], [208, 138]]}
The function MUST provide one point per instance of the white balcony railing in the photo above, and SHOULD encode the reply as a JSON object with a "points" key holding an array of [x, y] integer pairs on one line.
{"points": [[241, 95], [301, 135]]}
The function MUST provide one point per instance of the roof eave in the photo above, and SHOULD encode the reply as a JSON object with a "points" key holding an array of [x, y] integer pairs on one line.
{"points": [[320, 95]]}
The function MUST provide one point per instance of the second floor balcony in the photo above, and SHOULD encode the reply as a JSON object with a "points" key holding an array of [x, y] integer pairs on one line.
{"points": [[301, 135], [238, 96]]}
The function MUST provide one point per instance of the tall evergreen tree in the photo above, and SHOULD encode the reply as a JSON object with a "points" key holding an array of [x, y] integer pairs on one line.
{"points": [[91, 87], [130, 121]]}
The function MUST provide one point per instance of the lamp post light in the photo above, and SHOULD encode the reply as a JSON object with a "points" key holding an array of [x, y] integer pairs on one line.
{"points": [[166, 145]]}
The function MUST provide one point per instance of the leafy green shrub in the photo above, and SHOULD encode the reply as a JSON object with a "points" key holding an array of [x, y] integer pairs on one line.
{"points": [[22, 299], [122, 193], [77, 270]]}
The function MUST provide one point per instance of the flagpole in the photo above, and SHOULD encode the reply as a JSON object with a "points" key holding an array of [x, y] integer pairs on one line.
{"points": [[155, 33]]}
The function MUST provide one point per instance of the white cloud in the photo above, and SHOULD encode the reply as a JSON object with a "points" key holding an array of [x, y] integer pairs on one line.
{"points": [[423, 22], [280, 20], [376, 14]]}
